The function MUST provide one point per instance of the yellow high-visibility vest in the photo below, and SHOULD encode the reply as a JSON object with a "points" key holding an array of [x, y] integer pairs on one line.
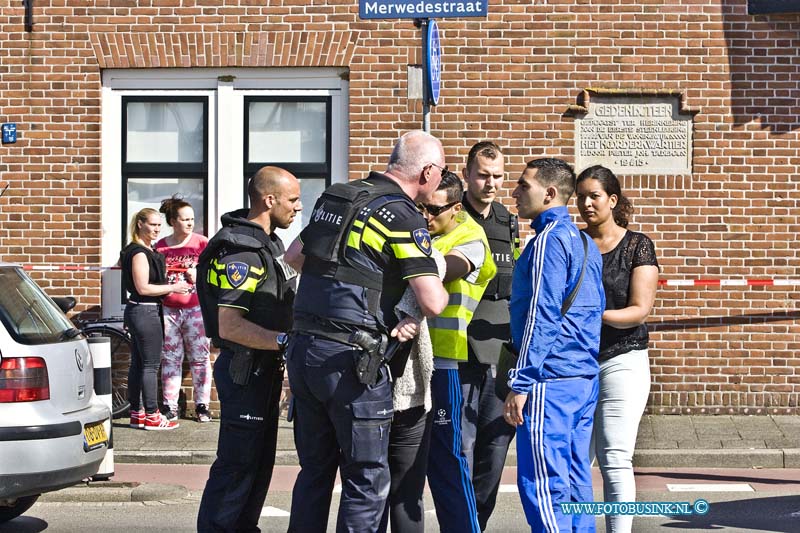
{"points": [[449, 329]]}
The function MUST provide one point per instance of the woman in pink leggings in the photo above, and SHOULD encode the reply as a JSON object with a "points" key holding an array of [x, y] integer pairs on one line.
{"points": [[184, 333]]}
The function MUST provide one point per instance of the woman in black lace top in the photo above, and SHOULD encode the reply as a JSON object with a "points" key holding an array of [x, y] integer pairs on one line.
{"points": [[630, 277]]}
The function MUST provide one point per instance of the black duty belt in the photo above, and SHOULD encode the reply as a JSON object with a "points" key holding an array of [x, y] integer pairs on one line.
{"points": [[321, 327], [222, 344]]}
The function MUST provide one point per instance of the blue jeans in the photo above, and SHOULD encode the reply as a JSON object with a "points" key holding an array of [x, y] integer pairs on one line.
{"points": [[147, 333]]}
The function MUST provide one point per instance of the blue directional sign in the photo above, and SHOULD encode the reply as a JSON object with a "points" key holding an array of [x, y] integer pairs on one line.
{"points": [[9, 133], [433, 63], [421, 9]]}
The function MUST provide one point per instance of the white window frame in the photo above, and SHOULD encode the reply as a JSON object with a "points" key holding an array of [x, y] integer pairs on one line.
{"points": [[225, 90]]}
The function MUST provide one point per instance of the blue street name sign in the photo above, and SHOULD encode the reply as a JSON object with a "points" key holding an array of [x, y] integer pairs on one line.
{"points": [[421, 9], [433, 62]]}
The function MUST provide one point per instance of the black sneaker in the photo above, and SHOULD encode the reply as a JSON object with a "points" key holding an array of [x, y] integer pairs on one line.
{"points": [[171, 415], [201, 413]]}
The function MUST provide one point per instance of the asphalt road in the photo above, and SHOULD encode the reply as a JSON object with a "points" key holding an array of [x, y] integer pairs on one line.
{"points": [[740, 501]]}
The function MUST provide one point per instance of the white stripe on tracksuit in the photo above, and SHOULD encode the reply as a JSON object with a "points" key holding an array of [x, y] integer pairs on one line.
{"points": [[536, 399], [536, 415], [539, 246]]}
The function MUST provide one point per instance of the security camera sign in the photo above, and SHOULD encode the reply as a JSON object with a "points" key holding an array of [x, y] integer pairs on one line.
{"points": [[421, 9]]}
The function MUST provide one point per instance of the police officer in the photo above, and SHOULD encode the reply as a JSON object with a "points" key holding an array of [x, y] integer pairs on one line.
{"points": [[246, 293], [485, 435], [366, 242]]}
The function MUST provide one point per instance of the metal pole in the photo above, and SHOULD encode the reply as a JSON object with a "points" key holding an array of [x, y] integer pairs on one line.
{"points": [[426, 108]]}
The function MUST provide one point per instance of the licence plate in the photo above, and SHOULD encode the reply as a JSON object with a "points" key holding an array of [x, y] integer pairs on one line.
{"points": [[94, 436]]}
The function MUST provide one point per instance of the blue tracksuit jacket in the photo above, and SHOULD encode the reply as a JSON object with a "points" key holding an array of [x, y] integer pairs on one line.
{"points": [[552, 346]]}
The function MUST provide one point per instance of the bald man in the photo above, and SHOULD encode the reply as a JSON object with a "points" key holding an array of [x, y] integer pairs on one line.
{"points": [[246, 292]]}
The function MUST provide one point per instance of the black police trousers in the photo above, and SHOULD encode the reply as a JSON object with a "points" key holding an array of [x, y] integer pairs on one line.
{"points": [[239, 478], [485, 435], [339, 423]]}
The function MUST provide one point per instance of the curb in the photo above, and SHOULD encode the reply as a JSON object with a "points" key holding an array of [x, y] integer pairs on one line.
{"points": [[658, 458], [105, 491], [724, 458], [282, 457]]}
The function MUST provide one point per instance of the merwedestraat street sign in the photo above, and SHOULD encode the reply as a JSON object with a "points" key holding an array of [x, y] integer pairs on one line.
{"points": [[424, 13], [421, 9]]}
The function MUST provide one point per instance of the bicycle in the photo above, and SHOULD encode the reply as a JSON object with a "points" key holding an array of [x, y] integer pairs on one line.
{"points": [[121, 343]]}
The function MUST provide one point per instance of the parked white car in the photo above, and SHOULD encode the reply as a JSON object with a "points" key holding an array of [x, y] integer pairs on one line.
{"points": [[51, 422]]}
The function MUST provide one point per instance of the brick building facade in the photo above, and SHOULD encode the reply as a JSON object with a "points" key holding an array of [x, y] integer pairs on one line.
{"points": [[80, 85]]}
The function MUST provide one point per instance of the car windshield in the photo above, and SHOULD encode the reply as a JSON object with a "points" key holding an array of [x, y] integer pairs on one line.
{"points": [[28, 314]]}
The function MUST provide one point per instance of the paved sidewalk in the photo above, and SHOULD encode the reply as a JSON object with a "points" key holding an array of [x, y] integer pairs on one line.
{"points": [[669, 441]]}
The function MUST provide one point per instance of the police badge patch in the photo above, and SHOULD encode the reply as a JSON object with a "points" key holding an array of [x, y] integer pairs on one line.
{"points": [[423, 240], [237, 273]]}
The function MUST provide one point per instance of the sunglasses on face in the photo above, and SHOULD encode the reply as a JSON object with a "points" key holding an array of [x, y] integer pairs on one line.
{"points": [[435, 210], [444, 169]]}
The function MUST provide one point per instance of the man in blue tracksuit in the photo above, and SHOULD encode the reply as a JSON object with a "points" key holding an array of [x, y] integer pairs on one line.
{"points": [[554, 385]]}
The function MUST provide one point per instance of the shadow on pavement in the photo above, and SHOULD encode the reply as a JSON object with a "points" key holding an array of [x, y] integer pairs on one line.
{"points": [[24, 524], [756, 514], [697, 477]]}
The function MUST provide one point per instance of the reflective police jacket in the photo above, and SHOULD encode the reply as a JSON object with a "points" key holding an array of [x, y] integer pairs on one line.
{"points": [[449, 329], [242, 267]]}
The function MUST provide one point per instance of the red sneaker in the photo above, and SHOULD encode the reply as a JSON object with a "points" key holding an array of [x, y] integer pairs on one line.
{"points": [[137, 419], [158, 422]]}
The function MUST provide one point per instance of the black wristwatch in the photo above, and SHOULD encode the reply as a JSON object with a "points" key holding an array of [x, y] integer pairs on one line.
{"points": [[282, 339]]}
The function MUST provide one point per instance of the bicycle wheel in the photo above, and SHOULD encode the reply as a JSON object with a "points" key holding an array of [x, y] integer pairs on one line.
{"points": [[120, 361]]}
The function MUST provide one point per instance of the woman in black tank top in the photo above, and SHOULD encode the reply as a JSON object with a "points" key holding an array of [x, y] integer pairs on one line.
{"points": [[144, 275]]}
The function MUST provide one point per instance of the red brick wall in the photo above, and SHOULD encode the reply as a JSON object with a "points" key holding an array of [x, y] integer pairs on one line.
{"points": [[509, 77]]}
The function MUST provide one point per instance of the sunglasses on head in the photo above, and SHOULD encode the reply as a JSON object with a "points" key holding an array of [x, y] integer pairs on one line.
{"points": [[435, 210]]}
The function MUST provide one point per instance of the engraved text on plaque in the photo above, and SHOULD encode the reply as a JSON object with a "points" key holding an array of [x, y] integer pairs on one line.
{"points": [[634, 135]]}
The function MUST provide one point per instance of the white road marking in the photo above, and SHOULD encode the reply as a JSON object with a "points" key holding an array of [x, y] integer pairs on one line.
{"points": [[709, 487], [273, 511], [337, 489], [508, 488]]}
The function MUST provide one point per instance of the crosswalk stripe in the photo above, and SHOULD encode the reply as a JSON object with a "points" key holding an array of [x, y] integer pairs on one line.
{"points": [[273, 511], [709, 487], [508, 488]]}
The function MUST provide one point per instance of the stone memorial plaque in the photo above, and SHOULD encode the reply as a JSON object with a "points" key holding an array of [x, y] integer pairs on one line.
{"points": [[634, 135]]}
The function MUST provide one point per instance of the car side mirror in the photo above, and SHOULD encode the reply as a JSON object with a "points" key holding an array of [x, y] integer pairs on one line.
{"points": [[65, 303]]}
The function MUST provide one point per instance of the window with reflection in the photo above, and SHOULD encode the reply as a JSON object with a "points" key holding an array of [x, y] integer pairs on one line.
{"points": [[293, 133], [164, 153]]}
